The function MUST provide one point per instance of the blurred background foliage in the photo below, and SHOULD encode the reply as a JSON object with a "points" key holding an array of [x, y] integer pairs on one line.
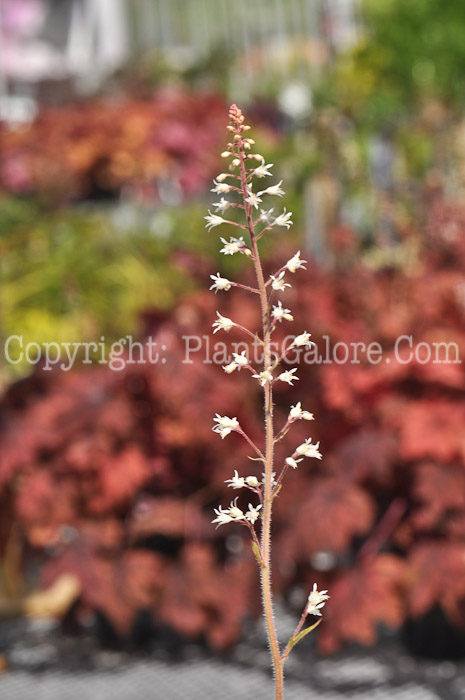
{"points": [[112, 476]]}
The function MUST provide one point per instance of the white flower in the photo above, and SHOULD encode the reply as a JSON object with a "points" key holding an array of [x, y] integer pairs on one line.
{"points": [[235, 245], [223, 516], [221, 177], [252, 481], [316, 600], [288, 376], [222, 324], [264, 377], [222, 205], [296, 413], [278, 313], [253, 199], [266, 216], [278, 282], [237, 482], [291, 462], [302, 339], [220, 283], [229, 369], [273, 480], [213, 220], [295, 263], [252, 514], [274, 190], [262, 169], [227, 516], [221, 187], [283, 219], [307, 449], [224, 425], [235, 163], [241, 360]]}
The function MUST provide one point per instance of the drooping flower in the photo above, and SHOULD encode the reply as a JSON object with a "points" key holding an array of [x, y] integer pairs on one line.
{"points": [[279, 313], [278, 282], [222, 323], [288, 376], [316, 600], [283, 219], [295, 263], [220, 283], [229, 369], [252, 481], [237, 482], [252, 514], [307, 449], [273, 190], [262, 169], [296, 413], [213, 220], [225, 425]]}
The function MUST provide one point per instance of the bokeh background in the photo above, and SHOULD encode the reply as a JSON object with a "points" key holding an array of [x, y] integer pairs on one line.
{"points": [[113, 116]]}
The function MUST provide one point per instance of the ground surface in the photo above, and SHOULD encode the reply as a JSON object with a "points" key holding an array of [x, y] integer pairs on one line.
{"points": [[44, 665]]}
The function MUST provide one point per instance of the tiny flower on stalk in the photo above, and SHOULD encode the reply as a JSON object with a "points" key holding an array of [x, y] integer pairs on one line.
{"points": [[213, 220], [264, 377], [225, 425], [221, 187], [221, 177], [252, 481], [316, 600], [262, 169], [266, 216], [241, 360], [222, 205], [253, 199], [237, 482], [294, 463], [296, 413], [228, 515], [302, 340], [295, 263], [279, 313], [229, 369], [235, 245], [220, 283], [288, 376], [283, 219], [273, 190], [252, 514], [278, 282], [307, 449], [222, 323]]}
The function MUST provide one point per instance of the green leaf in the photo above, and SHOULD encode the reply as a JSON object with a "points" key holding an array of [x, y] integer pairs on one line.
{"points": [[257, 553], [294, 640]]}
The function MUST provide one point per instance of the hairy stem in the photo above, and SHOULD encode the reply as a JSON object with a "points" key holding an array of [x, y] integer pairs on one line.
{"points": [[265, 569]]}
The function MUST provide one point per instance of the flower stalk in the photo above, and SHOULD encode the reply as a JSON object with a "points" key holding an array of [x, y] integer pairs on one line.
{"points": [[243, 169]]}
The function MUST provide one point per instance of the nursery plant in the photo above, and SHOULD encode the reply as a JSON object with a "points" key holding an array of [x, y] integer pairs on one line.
{"points": [[239, 184]]}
